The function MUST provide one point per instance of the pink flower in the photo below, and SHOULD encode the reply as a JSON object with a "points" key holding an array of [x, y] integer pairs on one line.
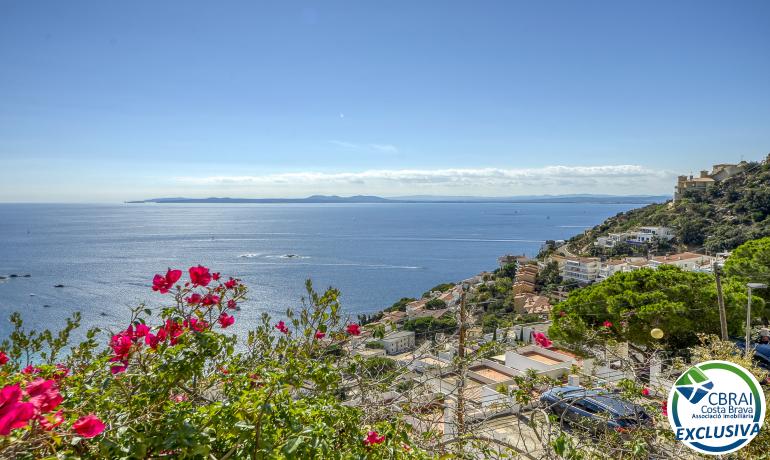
{"points": [[607, 324], [232, 304], [200, 275], [281, 326], [373, 438], [141, 330], [152, 340], [164, 283], [215, 276], [3, 358], [118, 368], [226, 320], [62, 371], [181, 397], [319, 335], [194, 299], [645, 392], [88, 426], [542, 340], [29, 370], [231, 283], [44, 395], [13, 413], [210, 299], [121, 346], [354, 329], [195, 324], [49, 422], [664, 408]]}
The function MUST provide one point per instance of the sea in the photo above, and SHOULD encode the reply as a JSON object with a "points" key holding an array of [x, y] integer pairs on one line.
{"points": [[105, 255]]}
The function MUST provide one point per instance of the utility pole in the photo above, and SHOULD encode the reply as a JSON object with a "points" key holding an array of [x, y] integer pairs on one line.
{"points": [[721, 300], [750, 286]]}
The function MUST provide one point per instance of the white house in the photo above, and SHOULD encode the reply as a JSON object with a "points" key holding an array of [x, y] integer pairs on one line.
{"points": [[686, 261], [646, 234], [398, 342], [581, 269]]}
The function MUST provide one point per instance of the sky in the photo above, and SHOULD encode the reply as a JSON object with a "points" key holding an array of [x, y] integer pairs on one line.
{"points": [[112, 101]]}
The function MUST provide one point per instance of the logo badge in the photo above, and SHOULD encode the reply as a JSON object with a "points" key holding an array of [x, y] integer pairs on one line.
{"points": [[716, 407]]}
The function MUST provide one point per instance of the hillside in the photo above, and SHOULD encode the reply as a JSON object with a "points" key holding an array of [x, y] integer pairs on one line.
{"points": [[720, 218]]}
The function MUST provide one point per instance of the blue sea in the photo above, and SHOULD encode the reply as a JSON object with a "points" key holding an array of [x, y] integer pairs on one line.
{"points": [[106, 255]]}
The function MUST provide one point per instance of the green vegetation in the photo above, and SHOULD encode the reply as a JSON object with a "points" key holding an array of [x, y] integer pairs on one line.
{"points": [[401, 304], [723, 217], [680, 303], [435, 304], [750, 262], [438, 288], [446, 324], [374, 345], [508, 271]]}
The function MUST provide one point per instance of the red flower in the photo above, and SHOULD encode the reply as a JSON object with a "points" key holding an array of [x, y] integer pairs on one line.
{"points": [[118, 368], [181, 397], [664, 408], [164, 283], [88, 426], [61, 372], [231, 283], [13, 413], [141, 330], [354, 329], [281, 326], [373, 438], [195, 324], [215, 276], [210, 299], [171, 331], [232, 304], [121, 346], [226, 320], [645, 392], [542, 340], [607, 324], [31, 370], [562, 313], [49, 422], [194, 299], [200, 276], [44, 395], [152, 340], [319, 335], [3, 358]]}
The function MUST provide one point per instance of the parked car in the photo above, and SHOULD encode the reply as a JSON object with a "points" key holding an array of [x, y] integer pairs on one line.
{"points": [[594, 409], [761, 352]]}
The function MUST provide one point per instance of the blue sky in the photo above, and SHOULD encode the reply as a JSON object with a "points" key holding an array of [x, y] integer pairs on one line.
{"points": [[107, 101]]}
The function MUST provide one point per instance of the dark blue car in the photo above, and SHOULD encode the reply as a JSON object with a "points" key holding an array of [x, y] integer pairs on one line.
{"points": [[761, 352], [595, 409]]}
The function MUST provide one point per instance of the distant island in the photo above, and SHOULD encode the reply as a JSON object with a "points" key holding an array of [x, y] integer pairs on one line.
{"points": [[608, 199]]}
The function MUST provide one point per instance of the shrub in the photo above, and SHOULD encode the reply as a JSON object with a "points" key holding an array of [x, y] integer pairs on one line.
{"points": [[176, 384]]}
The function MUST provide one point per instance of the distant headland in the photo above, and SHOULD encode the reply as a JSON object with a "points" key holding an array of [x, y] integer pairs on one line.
{"points": [[629, 199]]}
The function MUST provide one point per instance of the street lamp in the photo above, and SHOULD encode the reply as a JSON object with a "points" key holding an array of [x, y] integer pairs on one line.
{"points": [[750, 286]]}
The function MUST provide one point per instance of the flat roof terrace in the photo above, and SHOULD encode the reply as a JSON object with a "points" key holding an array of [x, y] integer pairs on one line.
{"points": [[535, 356], [491, 374]]}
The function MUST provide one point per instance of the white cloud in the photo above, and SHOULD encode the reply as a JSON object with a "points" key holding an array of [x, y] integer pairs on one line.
{"points": [[629, 179], [382, 148]]}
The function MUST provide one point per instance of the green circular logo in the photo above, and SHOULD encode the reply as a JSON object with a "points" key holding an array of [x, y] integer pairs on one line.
{"points": [[716, 407]]}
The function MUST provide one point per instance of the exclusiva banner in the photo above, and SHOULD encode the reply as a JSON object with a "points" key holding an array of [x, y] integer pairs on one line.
{"points": [[716, 407]]}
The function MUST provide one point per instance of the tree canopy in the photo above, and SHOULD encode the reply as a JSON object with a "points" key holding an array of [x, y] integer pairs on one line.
{"points": [[628, 305]]}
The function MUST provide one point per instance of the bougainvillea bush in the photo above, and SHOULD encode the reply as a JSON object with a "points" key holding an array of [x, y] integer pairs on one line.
{"points": [[176, 383]]}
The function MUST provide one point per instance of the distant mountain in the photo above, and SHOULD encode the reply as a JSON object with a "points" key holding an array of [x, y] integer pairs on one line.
{"points": [[576, 198], [310, 199], [640, 199]]}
